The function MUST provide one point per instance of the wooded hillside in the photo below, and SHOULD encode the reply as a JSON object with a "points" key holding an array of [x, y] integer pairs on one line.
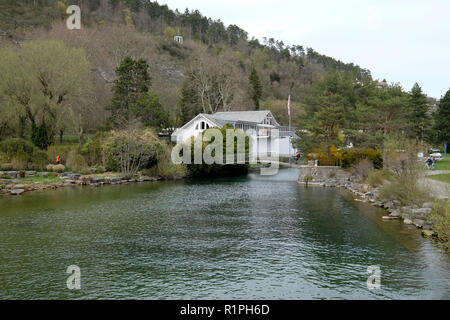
{"points": [[214, 59]]}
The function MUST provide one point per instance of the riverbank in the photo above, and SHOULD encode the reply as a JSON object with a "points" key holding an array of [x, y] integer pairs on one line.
{"points": [[417, 215], [12, 184]]}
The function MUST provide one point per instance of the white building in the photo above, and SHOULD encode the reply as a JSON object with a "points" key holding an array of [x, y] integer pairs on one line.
{"points": [[268, 137], [178, 39]]}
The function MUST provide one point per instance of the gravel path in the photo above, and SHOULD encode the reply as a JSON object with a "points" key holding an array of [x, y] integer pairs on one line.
{"points": [[437, 189], [434, 172]]}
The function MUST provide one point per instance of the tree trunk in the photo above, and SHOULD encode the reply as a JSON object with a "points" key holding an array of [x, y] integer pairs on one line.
{"points": [[61, 135], [81, 136]]}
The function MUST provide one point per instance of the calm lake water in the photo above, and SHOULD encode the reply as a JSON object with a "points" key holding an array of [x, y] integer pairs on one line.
{"points": [[243, 238]]}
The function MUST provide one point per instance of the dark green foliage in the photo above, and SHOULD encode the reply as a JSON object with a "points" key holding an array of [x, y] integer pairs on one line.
{"points": [[23, 150], [112, 164], [351, 157], [93, 151], [13, 146], [219, 170], [133, 80], [255, 87], [275, 77], [419, 120], [132, 97], [326, 107], [41, 135], [333, 64], [442, 117], [150, 111], [188, 105], [236, 34]]}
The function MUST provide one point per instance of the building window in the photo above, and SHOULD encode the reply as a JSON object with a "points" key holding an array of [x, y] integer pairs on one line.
{"points": [[202, 125], [196, 127]]}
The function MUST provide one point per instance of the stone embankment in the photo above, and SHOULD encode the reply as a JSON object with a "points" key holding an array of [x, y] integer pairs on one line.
{"points": [[10, 183], [339, 178]]}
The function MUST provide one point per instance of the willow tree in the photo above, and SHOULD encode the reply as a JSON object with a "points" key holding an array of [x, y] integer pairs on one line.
{"points": [[42, 83]]}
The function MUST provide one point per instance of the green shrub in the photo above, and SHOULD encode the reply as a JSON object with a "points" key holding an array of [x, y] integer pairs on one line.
{"points": [[217, 169], [132, 150], [93, 150], [307, 179], [172, 171], [351, 157], [362, 169], [76, 162], [165, 168], [405, 187], [440, 218], [112, 163], [379, 177], [56, 168], [16, 146], [22, 154], [62, 150], [59, 168]]}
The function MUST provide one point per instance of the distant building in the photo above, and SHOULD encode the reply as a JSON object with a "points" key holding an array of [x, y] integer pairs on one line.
{"points": [[382, 84], [259, 124], [178, 39], [432, 104]]}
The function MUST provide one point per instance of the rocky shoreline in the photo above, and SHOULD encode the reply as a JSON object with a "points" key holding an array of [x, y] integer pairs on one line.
{"points": [[14, 186], [410, 215]]}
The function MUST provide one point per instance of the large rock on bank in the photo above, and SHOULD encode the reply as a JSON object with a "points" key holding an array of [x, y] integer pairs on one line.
{"points": [[17, 192]]}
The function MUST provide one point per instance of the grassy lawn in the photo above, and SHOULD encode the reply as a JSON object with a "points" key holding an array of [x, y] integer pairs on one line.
{"points": [[44, 179], [444, 164], [441, 177]]}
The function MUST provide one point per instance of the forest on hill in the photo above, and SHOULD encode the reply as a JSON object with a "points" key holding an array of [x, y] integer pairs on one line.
{"points": [[124, 65], [113, 29]]}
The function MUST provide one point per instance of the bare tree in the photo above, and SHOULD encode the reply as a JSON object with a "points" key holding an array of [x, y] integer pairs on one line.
{"points": [[214, 80]]}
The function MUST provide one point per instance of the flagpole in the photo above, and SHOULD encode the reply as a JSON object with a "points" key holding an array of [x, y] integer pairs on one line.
{"points": [[289, 133]]}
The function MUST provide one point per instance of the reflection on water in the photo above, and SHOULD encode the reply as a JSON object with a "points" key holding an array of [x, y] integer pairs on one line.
{"points": [[252, 237]]}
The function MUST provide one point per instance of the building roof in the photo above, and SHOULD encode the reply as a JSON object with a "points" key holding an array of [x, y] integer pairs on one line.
{"points": [[245, 116], [211, 118], [222, 118]]}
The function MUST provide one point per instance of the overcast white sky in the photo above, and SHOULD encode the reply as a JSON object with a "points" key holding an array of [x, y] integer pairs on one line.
{"points": [[404, 41]]}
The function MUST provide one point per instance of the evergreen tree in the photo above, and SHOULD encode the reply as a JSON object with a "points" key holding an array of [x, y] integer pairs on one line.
{"points": [[188, 105], [326, 109], [150, 111], [419, 120], [442, 117], [255, 87], [133, 80]]}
